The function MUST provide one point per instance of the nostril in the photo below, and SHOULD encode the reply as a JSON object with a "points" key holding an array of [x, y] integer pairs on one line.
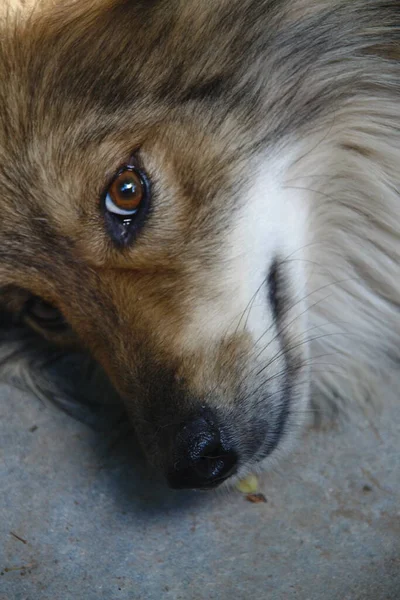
{"points": [[201, 458], [213, 468], [211, 456], [198, 439]]}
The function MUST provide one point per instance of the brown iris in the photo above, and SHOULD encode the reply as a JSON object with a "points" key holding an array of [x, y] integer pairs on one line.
{"points": [[126, 192]]}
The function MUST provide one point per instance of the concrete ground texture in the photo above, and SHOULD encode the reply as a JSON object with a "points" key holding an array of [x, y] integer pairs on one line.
{"points": [[82, 517]]}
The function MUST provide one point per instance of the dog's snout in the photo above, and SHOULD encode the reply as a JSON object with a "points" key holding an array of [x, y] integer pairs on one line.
{"points": [[201, 459]]}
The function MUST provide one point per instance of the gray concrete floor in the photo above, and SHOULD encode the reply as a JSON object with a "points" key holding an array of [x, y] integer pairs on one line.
{"points": [[82, 520]]}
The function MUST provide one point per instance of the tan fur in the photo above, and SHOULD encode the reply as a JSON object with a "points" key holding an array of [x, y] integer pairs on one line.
{"points": [[270, 132]]}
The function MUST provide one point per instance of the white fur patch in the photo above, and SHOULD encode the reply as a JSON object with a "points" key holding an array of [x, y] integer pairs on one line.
{"points": [[269, 225]]}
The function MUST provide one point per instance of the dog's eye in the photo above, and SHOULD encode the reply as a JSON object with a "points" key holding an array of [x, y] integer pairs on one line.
{"points": [[126, 203], [126, 192], [45, 315]]}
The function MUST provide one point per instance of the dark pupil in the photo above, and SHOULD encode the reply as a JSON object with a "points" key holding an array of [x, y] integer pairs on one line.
{"points": [[128, 188]]}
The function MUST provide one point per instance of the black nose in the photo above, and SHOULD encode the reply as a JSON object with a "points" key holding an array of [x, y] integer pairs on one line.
{"points": [[201, 459]]}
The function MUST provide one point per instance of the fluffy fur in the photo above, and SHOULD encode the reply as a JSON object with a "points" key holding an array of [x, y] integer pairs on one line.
{"points": [[268, 270]]}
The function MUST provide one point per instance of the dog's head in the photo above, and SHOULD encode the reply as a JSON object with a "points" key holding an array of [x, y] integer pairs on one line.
{"points": [[143, 196]]}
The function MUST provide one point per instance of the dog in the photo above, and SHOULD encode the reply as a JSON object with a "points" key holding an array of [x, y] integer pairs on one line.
{"points": [[205, 198]]}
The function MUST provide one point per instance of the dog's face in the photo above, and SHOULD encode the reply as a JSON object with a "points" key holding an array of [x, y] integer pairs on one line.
{"points": [[142, 201]]}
